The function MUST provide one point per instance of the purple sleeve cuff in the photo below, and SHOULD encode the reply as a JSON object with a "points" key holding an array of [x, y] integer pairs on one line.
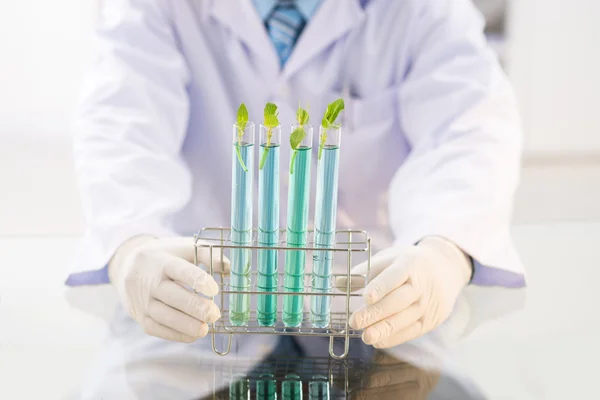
{"points": [[95, 277], [488, 276], [482, 276]]}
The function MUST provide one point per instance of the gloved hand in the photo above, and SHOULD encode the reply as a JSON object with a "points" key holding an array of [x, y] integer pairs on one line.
{"points": [[411, 291], [149, 275]]}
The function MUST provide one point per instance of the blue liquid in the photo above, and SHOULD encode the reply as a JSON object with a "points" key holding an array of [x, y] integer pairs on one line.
{"points": [[297, 224], [291, 388], [268, 235], [325, 214], [239, 389], [266, 387], [241, 233], [318, 389]]}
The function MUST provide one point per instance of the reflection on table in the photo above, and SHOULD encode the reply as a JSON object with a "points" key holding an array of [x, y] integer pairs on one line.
{"points": [[136, 366], [366, 374]]}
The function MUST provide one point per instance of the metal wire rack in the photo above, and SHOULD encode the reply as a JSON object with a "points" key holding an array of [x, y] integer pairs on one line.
{"points": [[347, 243]]}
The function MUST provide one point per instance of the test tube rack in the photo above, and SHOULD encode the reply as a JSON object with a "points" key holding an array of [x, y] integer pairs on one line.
{"points": [[348, 243]]}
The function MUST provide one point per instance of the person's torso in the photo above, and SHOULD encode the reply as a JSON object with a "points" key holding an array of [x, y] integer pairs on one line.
{"points": [[360, 54]]}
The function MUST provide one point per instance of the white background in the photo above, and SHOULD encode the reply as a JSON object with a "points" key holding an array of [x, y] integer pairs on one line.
{"points": [[553, 60], [45, 49]]}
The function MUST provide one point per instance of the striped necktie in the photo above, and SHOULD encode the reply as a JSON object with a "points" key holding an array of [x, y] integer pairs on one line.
{"points": [[284, 26]]}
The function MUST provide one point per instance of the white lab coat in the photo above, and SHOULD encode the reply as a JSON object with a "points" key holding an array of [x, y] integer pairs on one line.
{"points": [[431, 140]]}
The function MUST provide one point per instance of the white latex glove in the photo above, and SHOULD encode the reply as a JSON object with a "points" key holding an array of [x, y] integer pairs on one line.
{"points": [[411, 291], [151, 276]]}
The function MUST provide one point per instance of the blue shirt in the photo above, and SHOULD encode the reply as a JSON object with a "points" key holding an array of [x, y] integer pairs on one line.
{"points": [[306, 7]]}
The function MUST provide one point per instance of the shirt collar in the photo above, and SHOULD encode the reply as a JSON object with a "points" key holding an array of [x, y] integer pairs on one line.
{"points": [[306, 7]]}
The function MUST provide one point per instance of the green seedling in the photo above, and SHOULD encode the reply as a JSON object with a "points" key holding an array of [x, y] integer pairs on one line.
{"points": [[271, 121], [242, 120], [298, 134], [331, 114]]}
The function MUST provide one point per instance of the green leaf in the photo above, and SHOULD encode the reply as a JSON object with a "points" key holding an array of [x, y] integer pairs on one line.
{"points": [[242, 120], [270, 109], [298, 134], [302, 116], [332, 112], [297, 137], [271, 115], [271, 121], [242, 117]]}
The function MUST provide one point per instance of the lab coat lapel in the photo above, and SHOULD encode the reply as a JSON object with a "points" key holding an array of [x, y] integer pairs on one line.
{"points": [[241, 18], [332, 20]]}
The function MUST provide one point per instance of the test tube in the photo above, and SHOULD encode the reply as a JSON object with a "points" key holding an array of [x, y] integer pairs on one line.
{"points": [[325, 218], [268, 223], [239, 388], [241, 222], [318, 388], [266, 387], [291, 388], [297, 225]]}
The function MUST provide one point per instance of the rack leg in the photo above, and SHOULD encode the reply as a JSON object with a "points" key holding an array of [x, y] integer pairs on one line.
{"points": [[368, 260], [196, 250], [214, 345], [346, 382], [346, 331], [213, 334], [346, 348]]}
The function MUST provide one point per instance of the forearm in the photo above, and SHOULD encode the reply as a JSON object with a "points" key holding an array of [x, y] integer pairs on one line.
{"points": [[129, 131]]}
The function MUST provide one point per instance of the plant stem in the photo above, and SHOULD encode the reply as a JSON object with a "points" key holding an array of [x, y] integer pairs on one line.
{"points": [[322, 144], [237, 149], [263, 159], [292, 162], [239, 156]]}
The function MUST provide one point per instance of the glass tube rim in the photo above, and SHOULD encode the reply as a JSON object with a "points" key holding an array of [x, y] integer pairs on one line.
{"points": [[249, 124], [334, 136], [275, 136], [307, 142], [249, 136]]}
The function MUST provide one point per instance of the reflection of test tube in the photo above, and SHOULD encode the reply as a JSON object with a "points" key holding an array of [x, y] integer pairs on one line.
{"points": [[297, 225], [268, 222], [325, 214], [239, 389], [266, 387], [318, 388], [241, 222], [291, 388]]}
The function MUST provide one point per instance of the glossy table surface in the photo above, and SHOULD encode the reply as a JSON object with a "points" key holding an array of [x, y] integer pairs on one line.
{"points": [[286, 374], [538, 343]]}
